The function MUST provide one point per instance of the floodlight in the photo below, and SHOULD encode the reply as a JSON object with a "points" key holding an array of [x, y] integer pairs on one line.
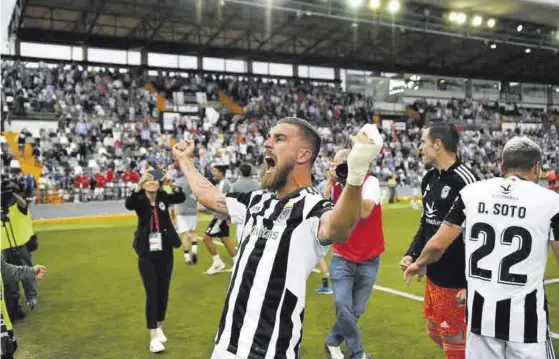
{"points": [[491, 23], [374, 4], [493, 46], [477, 20], [527, 51], [519, 28], [461, 18], [393, 6]]}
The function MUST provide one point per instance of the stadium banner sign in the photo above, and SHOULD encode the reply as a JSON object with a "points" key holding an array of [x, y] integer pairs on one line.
{"points": [[190, 109], [534, 93], [388, 107], [391, 125], [169, 119], [189, 98], [486, 90], [506, 126], [434, 86]]}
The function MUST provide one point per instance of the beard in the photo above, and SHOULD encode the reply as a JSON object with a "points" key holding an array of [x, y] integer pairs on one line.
{"points": [[277, 179]]}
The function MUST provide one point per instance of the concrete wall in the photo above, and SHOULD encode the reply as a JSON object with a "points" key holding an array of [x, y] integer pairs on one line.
{"points": [[49, 211], [95, 208]]}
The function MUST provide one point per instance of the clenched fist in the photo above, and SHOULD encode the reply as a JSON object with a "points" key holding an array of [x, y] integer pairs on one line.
{"points": [[184, 150], [366, 147]]}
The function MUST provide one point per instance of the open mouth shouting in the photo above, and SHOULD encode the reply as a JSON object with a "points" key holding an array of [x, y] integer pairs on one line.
{"points": [[270, 163]]}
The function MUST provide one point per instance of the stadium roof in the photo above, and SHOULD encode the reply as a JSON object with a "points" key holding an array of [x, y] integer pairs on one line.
{"points": [[419, 38]]}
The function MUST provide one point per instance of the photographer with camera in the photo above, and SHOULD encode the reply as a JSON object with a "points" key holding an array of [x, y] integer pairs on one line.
{"points": [[355, 263], [11, 274], [20, 241], [154, 240]]}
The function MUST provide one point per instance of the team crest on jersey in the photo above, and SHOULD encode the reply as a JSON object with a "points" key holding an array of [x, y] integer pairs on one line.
{"points": [[162, 206], [285, 213], [507, 188], [445, 191], [256, 209]]}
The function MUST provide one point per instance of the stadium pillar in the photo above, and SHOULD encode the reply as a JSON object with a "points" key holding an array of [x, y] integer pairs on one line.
{"points": [[17, 46], [144, 57], [200, 63], [249, 67], [337, 76], [469, 88], [550, 96], [84, 52], [295, 70]]}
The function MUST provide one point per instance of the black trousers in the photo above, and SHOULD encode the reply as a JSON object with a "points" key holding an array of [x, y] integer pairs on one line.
{"points": [[156, 269]]}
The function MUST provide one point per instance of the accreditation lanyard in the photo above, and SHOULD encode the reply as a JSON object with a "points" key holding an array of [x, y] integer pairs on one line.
{"points": [[154, 221]]}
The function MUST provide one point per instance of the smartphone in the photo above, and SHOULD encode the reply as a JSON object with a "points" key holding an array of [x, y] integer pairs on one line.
{"points": [[157, 174]]}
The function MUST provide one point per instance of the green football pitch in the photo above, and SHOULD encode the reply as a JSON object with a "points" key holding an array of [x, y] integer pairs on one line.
{"points": [[91, 303]]}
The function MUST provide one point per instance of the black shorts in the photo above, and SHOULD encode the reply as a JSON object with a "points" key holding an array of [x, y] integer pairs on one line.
{"points": [[218, 228]]}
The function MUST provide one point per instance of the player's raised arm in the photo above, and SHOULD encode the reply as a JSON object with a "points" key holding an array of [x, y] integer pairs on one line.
{"points": [[336, 225], [204, 191]]}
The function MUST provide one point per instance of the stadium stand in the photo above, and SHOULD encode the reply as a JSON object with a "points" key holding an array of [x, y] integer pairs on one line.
{"points": [[108, 126]]}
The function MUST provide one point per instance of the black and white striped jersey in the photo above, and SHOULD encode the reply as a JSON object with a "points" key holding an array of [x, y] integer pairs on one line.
{"points": [[278, 249], [507, 229]]}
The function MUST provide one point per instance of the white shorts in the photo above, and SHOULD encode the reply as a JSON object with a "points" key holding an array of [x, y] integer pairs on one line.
{"points": [[478, 347], [186, 223]]}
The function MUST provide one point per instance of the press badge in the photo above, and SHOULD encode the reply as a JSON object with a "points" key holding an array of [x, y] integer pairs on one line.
{"points": [[155, 242]]}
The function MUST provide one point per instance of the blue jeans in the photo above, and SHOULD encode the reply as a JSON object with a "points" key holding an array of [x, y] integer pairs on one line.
{"points": [[352, 284]]}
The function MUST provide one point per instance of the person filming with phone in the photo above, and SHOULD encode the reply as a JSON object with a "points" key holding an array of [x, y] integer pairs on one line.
{"points": [[154, 240]]}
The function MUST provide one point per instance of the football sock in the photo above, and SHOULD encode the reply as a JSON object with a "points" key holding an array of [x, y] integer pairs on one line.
{"points": [[454, 350]]}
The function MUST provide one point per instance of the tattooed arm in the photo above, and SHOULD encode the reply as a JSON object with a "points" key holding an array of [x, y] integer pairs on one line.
{"points": [[204, 191]]}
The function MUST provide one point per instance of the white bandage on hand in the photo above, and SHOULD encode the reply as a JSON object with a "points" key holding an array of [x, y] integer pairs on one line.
{"points": [[366, 147]]}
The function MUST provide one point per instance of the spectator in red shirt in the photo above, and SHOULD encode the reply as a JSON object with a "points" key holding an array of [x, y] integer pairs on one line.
{"points": [[101, 180], [355, 263], [81, 181], [131, 175], [110, 175]]}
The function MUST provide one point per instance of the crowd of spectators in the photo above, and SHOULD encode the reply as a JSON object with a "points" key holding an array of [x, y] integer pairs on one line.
{"points": [[109, 129]]}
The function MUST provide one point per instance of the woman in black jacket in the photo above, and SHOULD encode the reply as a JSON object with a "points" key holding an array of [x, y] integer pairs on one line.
{"points": [[154, 240]]}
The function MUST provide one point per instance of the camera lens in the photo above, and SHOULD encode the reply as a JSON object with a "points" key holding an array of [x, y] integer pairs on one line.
{"points": [[342, 170]]}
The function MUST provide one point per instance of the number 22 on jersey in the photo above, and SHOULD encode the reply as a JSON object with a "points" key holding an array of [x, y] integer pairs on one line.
{"points": [[481, 231]]}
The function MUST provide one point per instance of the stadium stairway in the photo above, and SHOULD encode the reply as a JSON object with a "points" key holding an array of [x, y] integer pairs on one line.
{"points": [[161, 102], [229, 104], [26, 159], [29, 166]]}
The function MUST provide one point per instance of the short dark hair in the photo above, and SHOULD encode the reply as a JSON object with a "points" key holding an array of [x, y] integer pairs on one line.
{"points": [[245, 169], [221, 169], [308, 132], [447, 134], [520, 153]]}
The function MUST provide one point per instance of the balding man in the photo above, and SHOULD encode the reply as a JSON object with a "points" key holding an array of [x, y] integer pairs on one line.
{"points": [[355, 263]]}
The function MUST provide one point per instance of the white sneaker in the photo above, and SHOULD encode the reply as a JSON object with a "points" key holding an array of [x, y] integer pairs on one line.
{"points": [[155, 346], [187, 258], [161, 336], [335, 352], [216, 267]]}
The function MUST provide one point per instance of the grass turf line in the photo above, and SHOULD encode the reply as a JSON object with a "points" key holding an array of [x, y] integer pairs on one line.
{"points": [[91, 303]]}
